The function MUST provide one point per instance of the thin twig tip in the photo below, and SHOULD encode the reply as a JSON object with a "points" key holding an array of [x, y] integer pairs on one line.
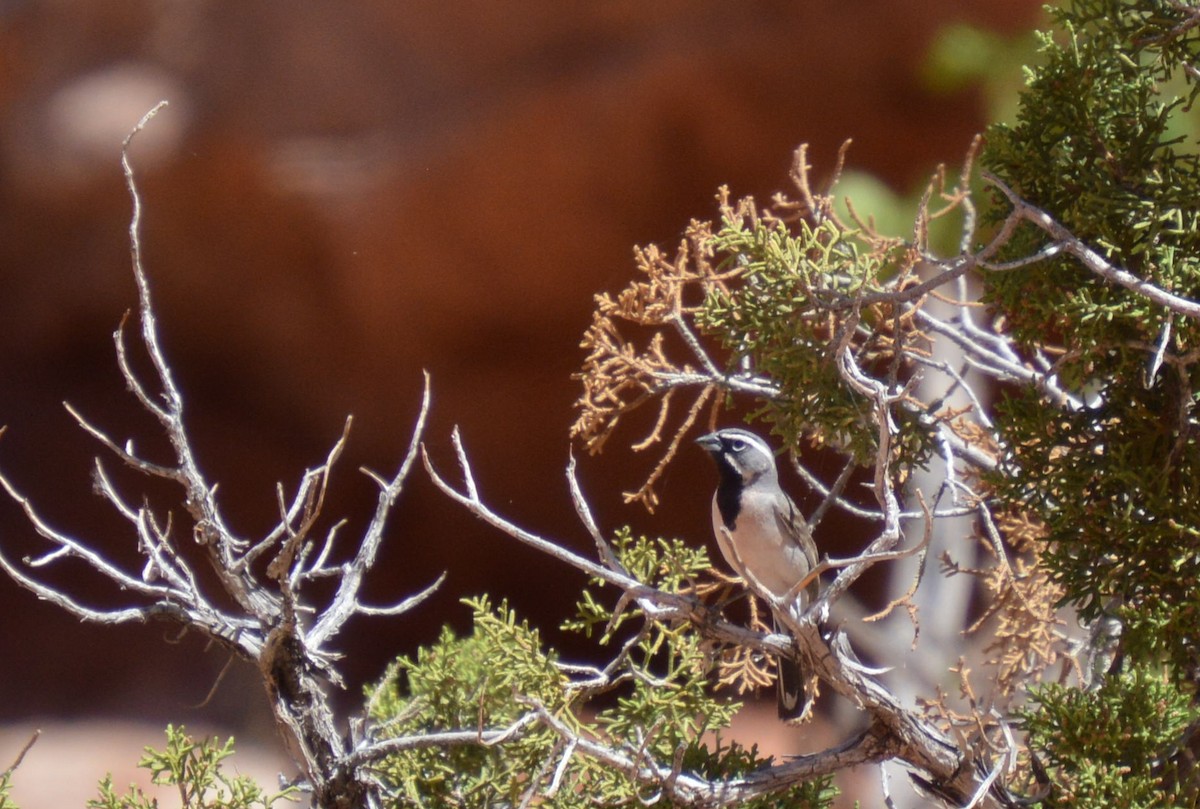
{"points": [[142, 124]]}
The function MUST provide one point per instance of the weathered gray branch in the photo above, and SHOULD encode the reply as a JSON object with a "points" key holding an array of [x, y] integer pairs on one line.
{"points": [[893, 731], [1065, 241], [264, 626]]}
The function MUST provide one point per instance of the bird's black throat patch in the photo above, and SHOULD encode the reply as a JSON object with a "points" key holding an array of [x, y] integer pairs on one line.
{"points": [[729, 494]]}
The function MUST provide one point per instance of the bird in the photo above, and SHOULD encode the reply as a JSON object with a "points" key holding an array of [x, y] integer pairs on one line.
{"points": [[770, 539]]}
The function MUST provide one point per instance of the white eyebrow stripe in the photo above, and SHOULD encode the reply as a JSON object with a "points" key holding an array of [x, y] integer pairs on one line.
{"points": [[751, 438]]}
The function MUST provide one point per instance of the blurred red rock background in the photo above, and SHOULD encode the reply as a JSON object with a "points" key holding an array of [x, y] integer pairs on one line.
{"points": [[341, 195]]}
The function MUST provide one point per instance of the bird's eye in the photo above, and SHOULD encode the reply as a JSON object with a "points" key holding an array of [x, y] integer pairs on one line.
{"points": [[737, 445]]}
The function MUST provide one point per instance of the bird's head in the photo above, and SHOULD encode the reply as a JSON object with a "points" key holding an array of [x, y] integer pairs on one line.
{"points": [[740, 454]]}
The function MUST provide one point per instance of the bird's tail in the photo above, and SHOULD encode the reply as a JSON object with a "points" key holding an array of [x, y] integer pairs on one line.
{"points": [[794, 688]]}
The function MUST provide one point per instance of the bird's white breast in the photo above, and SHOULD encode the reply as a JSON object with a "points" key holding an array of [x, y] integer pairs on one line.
{"points": [[767, 553]]}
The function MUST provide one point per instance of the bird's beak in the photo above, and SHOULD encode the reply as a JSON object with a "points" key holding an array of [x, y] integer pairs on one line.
{"points": [[709, 442]]}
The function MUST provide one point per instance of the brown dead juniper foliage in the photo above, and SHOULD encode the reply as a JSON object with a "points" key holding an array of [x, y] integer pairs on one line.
{"points": [[792, 311]]}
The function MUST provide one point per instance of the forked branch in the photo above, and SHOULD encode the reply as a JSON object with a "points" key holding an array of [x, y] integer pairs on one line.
{"points": [[265, 579]]}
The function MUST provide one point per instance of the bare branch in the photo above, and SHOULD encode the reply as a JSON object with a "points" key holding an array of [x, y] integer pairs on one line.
{"points": [[471, 501], [219, 542], [68, 546], [125, 453], [263, 626], [1090, 258], [345, 601], [62, 600], [377, 751], [25, 748], [833, 495], [405, 605], [589, 522]]}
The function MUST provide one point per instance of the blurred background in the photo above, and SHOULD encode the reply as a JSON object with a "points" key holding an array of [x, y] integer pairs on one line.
{"points": [[342, 195]]}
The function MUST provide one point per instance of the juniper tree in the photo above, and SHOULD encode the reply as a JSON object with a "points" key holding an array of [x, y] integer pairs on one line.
{"points": [[1013, 377]]}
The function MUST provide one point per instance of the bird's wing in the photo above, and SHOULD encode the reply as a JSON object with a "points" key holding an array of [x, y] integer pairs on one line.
{"points": [[793, 526]]}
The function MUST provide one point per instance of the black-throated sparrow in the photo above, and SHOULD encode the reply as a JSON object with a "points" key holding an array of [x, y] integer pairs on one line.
{"points": [[770, 540]]}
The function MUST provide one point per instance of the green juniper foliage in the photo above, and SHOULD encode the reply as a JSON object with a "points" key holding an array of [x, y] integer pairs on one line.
{"points": [[1104, 747], [5, 788], [779, 319], [195, 768], [661, 703], [467, 683], [1101, 145], [1105, 143]]}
